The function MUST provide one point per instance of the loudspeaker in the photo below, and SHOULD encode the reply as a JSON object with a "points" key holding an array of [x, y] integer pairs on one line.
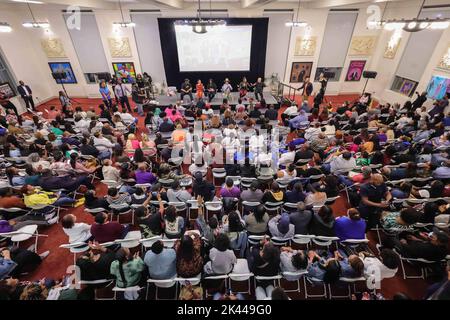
{"points": [[59, 75], [370, 74], [104, 76], [329, 74]]}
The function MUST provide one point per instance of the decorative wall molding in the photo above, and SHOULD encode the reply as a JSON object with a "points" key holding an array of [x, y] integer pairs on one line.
{"points": [[53, 48], [305, 46], [444, 62], [119, 47], [362, 45]]}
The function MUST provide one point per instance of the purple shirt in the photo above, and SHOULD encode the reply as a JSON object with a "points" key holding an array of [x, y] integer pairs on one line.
{"points": [[345, 228], [5, 227], [144, 177], [230, 193]]}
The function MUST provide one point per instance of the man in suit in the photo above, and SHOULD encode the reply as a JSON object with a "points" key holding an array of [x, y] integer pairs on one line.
{"points": [[26, 94], [121, 92], [307, 87]]}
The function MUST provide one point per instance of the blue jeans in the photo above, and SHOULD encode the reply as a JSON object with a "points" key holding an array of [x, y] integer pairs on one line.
{"points": [[326, 167], [63, 200], [345, 180]]}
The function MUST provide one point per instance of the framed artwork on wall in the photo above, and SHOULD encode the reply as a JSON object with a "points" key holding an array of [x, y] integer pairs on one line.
{"points": [[125, 71], [408, 86], [355, 70], [56, 67], [438, 87], [6, 90], [300, 71]]}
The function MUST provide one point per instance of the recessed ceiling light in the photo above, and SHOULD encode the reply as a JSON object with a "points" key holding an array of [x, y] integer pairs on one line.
{"points": [[5, 27], [28, 1]]}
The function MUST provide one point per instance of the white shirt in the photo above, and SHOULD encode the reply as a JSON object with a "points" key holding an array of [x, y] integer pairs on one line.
{"points": [[126, 118], [287, 158], [121, 90], [290, 110], [372, 264], [82, 124], [103, 144], [80, 232], [26, 90]]}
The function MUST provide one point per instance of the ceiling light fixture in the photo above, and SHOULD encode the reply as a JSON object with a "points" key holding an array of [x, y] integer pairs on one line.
{"points": [[123, 23], [297, 23], [416, 24], [28, 1], [200, 25], [5, 27], [34, 23]]}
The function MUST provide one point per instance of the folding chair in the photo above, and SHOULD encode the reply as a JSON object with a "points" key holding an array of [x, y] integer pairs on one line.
{"points": [[303, 239], [95, 283], [94, 211], [148, 242], [23, 234], [293, 277], [348, 282], [76, 247], [280, 242], [249, 206], [162, 284], [166, 183], [246, 182], [124, 290], [273, 208], [314, 282], [131, 240], [111, 184], [191, 205], [275, 279], [323, 241], [120, 210], [214, 206], [215, 279]]}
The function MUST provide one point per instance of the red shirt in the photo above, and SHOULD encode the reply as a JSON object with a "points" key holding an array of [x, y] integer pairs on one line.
{"points": [[107, 232]]}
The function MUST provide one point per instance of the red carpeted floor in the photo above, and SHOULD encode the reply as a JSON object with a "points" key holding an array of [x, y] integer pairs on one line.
{"points": [[55, 265]]}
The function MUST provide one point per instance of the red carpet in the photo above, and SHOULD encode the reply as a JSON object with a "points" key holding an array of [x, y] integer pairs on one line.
{"points": [[55, 265]]}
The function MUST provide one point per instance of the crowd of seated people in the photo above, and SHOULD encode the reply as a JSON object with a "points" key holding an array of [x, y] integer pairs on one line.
{"points": [[231, 197]]}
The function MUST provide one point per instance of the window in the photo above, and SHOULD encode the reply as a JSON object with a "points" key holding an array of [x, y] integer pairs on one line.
{"points": [[91, 78], [404, 86], [332, 74], [5, 73]]}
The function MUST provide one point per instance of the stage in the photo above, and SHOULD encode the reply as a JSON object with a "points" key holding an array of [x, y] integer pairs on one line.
{"points": [[164, 100]]}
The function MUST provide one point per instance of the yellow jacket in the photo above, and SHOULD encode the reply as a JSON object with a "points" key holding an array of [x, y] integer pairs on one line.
{"points": [[39, 198]]}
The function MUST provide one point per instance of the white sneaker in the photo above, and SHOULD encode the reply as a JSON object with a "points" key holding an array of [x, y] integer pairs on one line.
{"points": [[32, 248], [52, 221], [49, 216], [44, 255]]}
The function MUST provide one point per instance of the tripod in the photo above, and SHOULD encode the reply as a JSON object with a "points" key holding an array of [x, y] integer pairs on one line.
{"points": [[65, 92]]}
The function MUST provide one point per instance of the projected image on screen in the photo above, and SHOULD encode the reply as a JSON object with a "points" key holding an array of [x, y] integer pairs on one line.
{"points": [[224, 48]]}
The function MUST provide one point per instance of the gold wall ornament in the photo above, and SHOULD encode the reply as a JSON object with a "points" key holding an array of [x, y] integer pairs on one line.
{"points": [[362, 45], [119, 47], [393, 44], [305, 46], [444, 63], [53, 48]]}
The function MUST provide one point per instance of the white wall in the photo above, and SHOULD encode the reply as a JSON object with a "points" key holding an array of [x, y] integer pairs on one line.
{"points": [[24, 54]]}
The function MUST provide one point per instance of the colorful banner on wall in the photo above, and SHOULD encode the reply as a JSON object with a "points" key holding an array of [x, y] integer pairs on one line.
{"points": [[355, 70], [438, 87]]}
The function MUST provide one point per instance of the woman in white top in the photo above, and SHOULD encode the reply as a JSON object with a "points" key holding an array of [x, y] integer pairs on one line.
{"points": [[77, 232], [222, 258]]}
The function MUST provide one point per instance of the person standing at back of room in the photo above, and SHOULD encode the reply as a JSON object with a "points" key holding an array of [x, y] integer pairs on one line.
{"points": [[106, 94], [259, 86], [121, 91], [211, 87], [26, 94]]}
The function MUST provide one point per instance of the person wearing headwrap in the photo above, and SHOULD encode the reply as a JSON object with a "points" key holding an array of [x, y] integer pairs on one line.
{"points": [[280, 226]]}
